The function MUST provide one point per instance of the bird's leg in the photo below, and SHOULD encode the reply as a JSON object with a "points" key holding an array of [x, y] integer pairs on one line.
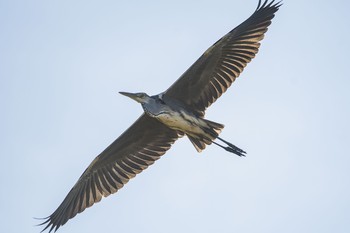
{"points": [[223, 147], [231, 148]]}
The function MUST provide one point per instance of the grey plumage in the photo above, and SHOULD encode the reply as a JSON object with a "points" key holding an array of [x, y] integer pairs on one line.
{"points": [[176, 112]]}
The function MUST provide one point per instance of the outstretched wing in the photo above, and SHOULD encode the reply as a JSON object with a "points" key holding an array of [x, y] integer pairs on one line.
{"points": [[137, 148], [214, 72]]}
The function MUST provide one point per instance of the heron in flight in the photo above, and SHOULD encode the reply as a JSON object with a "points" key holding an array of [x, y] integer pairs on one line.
{"points": [[176, 112]]}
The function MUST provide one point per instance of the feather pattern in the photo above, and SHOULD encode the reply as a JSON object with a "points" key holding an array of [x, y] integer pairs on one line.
{"points": [[219, 66], [114, 167]]}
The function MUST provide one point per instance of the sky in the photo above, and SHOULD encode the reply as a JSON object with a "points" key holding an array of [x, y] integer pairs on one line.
{"points": [[62, 64]]}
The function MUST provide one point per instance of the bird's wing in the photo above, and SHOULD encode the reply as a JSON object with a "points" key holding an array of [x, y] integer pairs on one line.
{"points": [[137, 148], [213, 73]]}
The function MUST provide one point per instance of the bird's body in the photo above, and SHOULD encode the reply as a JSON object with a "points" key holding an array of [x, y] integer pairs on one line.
{"points": [[176, 112], [179, 117]]}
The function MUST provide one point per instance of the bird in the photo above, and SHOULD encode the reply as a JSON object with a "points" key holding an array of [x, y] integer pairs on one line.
{"points": [[178, 111]]}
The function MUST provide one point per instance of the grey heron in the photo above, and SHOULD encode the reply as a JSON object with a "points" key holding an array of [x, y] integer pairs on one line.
{"points": [[176, 112]]}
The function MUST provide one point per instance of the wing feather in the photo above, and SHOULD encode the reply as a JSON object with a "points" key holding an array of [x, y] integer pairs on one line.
{"points": [[223, 62], [137, 148]]}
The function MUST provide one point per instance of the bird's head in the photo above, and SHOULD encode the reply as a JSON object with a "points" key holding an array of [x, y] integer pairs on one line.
{"points": [[140, 97]]}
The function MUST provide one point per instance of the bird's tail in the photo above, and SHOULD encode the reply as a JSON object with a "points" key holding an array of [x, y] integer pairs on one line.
{"points": [[211, 129], [214, 127]]}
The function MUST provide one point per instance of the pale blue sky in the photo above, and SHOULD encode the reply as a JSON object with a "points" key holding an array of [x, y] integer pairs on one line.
{"points": [[63, 62]]}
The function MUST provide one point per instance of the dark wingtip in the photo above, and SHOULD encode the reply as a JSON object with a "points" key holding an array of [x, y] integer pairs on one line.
{"points": [[272, 4], [45, 220], [48, 223], [257, 8]]}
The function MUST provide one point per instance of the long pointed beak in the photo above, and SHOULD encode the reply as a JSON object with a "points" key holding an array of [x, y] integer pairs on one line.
{"points": [[130, 95]]}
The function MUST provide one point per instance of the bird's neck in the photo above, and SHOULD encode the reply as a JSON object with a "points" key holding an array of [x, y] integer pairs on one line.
{"points": [[151, 108]]}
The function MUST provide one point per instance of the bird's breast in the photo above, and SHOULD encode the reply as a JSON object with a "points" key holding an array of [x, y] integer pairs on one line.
{"points": [[182, 121]]}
